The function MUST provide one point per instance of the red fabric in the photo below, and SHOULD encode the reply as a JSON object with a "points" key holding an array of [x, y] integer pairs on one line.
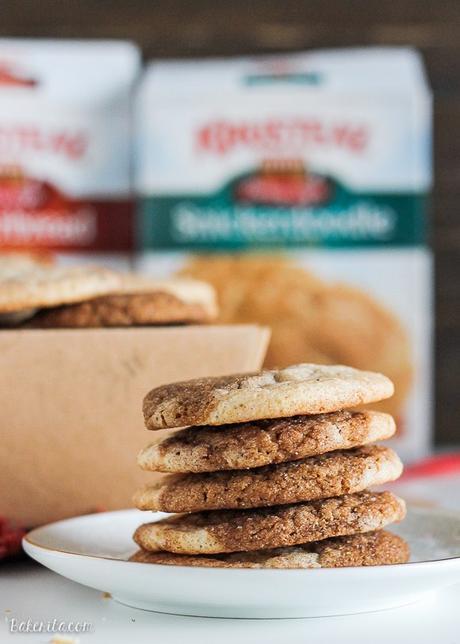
{"points": [[10, 539], [444, 464]]}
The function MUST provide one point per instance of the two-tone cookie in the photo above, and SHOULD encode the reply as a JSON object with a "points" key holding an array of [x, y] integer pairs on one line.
{"points": [[317, 477], [369, 549], [263, 442], [221, 531], [296, 390]]}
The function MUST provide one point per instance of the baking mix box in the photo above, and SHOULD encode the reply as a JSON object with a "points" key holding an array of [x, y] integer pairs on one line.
{"points": [[298, 186], [65, 146]]}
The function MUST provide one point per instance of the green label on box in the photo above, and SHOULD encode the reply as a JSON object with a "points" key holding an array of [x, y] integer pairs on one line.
{"points": [[271, 211]]}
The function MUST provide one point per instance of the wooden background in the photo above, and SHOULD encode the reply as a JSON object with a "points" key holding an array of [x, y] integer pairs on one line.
{"points": [[166, 28]]}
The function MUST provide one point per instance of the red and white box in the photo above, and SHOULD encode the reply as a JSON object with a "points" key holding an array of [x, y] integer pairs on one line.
{"points": [[65, 134]]}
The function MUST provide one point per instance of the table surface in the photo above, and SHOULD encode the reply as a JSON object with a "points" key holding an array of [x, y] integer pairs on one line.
{"points": [[29, 591]]}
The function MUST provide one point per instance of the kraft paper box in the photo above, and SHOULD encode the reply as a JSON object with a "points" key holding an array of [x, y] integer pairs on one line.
{"points": [[297, 186], [71, 404]]}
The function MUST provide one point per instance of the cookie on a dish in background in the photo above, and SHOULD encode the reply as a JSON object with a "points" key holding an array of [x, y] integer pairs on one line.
{"points": [[35, 287], [137, 301], [11, 264]]}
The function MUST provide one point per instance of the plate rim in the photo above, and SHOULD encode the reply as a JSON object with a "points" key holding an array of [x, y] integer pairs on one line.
{"points": [[28, 542]]}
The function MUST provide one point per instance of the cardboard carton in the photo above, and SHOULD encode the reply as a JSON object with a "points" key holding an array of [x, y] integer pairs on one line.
{"points": [[71, 404]]}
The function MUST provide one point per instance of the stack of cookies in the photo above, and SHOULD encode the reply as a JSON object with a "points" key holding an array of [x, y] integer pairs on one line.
{"points": [[273, 471], [34, 295]]}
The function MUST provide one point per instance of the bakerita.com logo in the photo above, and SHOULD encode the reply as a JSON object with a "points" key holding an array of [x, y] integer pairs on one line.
{"points": [[291, 135], [48, 626]]}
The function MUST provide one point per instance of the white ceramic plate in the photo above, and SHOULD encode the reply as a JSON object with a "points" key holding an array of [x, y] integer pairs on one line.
{"points": [[93, 549]]}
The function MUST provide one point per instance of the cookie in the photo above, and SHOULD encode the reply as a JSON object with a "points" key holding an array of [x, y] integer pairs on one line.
{"points": [[370, 336], [370, 549], [311, 320], [262, 442], [298, 389], [11, 261], [317, 477], [41, 287], [220, 531], [138, 302], [16, 318]]}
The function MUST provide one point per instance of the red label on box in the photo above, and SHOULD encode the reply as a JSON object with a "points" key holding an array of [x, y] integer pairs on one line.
{"points": [[34, 214]]}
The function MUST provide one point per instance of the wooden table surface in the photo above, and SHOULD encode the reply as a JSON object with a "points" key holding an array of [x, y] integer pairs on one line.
{"points": [[205, 27]]}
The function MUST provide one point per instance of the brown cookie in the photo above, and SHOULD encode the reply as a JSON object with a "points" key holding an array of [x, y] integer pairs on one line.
{"points": [[298, 389], [262, 442], [317, 477], [370, 549], [139, 302], [220, 531]]}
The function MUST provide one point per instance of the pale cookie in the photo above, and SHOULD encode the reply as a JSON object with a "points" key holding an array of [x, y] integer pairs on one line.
{"points": [[274, 527], [371, 549], [138, 302], [317, 477], [11, 261], [299, 389], [40, 287], [262, 442]]}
